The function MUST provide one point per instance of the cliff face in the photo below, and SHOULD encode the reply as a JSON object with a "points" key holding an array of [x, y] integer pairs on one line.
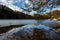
{"points": [[7, 13]]}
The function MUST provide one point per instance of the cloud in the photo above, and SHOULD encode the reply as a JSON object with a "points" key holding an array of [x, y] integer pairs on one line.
{"points": [[3, 0], [10, 4], [27, 1], [57, 8], [18, 4]]}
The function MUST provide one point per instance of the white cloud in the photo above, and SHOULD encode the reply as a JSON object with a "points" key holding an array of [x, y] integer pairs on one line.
{"points": [[27, 1], [57, 8], [3, 0], [15, 8], [9, 3]]}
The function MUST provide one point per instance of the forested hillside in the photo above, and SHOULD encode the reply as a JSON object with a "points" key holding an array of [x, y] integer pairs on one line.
{"points": [[7, 13]]}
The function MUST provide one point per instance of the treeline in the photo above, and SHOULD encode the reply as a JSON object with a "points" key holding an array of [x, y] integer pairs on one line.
{"points": [[7, 13], [54, 15], [39, 16]]}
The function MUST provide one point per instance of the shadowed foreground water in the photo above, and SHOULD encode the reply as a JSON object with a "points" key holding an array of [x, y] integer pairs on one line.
{"points": [[30, 32]]}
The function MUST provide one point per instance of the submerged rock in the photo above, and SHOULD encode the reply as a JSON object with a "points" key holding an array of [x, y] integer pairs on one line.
{"points": [[31, 32]]}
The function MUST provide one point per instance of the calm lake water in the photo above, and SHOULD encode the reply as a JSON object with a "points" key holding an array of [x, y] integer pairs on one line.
{"points": [[22, 22], [16, 22], [44, 25]]}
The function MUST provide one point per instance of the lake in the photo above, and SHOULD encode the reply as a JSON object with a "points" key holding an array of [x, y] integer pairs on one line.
{"points": [[16, 22], [43, 25], [28, 21]]}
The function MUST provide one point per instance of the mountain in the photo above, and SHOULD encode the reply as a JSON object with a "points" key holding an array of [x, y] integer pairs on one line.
{"points": [[7, 13]]}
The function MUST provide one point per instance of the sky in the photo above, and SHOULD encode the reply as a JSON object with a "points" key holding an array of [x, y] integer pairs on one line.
{"points": [[18, 4], [14, 4]]}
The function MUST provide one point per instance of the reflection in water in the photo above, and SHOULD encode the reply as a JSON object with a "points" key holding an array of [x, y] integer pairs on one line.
{"points": [[31, 32]]}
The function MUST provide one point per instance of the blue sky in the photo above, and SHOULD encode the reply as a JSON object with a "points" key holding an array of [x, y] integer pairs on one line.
{"points": [[13, 4], [18, 4]]}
